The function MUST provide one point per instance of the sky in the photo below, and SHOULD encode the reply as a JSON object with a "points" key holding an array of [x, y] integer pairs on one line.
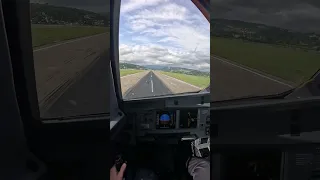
{"points": [[164, 32], [298, 15]]}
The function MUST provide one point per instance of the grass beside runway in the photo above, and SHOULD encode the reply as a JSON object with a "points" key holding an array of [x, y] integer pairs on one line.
{"points": [[124, 72], [287, 63], [49, 34], [199, 81]]}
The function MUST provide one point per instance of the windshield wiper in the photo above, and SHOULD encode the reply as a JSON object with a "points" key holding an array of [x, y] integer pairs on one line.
{"points": [[191, 92], [266, 97], [280, 95], [163, 95], [96, 115]]}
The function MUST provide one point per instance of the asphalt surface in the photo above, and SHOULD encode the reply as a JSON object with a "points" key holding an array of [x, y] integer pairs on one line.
{"points": [[150, 85], [57, 64], [230, 81], [88, 95]]}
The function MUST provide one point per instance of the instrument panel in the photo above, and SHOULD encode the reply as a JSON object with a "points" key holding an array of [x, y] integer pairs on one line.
{"points": [[170, 118], [193, 120]]}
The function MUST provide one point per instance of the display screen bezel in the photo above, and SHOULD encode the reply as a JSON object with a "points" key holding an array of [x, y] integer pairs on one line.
{"points": [[172, 122], [181, 121]]}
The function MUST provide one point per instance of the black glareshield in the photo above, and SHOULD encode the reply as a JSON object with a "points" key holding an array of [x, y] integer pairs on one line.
{"points": [[273, 139]]}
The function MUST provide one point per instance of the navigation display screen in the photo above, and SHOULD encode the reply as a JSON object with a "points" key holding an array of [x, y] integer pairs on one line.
{"points": [[188, 118], [166, 119]]}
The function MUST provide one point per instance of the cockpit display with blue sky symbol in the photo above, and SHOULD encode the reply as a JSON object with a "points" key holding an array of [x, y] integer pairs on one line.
{"points": [[165, 117]]}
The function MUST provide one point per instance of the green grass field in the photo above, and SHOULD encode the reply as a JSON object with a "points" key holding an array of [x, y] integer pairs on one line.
{"points": [[124, 72], [48, 34], [292, 65], [199, 81]]}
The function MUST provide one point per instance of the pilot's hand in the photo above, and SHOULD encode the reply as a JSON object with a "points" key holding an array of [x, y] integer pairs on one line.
{"points": [[114, 175]]}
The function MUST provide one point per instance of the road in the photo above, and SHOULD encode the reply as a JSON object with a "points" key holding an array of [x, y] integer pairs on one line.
{"points": [[150, 85], [230, 81]]}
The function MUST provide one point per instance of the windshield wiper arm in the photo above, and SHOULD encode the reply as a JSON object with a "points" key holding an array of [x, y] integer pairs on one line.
{"points": [[96, 115], [266, 97], [281, 95]]}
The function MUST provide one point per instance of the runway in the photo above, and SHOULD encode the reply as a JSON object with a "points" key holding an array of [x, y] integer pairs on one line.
{"points": [[230, 80], [88, 95], [149, 86]]}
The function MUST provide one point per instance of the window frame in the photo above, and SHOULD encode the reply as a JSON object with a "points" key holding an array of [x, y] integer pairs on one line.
{"points": [[202, 5], [18, 28], [114, 48]]}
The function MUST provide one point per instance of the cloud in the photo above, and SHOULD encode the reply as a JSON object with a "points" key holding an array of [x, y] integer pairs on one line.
{"points": [[131, 5], [141, 39], [188, 37], [299, 15], [153, 32], [165, 12], [172, 33], [162, 55]]}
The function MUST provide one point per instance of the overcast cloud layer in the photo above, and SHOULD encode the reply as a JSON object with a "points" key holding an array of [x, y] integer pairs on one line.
{"points": [[298, 15], [164, 32]]}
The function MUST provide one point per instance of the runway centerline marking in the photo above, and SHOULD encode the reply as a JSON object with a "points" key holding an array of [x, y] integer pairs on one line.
{"points": [[151, 83]]}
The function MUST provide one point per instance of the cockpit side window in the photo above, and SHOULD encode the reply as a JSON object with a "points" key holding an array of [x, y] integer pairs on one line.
{"points": [[263, 49], [71, 42]]}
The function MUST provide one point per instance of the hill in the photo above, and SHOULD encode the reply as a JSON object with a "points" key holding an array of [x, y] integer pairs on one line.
{"points": [[155, 67], [165, 68], [178, 70], [49, 14], [131, 66], [264, 34]]}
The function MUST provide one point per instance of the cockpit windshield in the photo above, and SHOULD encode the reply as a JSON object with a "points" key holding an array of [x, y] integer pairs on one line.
{"points": [[263, 48], [164, 48]]}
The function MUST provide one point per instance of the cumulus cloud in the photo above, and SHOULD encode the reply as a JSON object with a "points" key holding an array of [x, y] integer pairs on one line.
{"points": [[165, 12], [141, 39], [154, 54], [299, 15], [172, 33], [132, 5]]}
